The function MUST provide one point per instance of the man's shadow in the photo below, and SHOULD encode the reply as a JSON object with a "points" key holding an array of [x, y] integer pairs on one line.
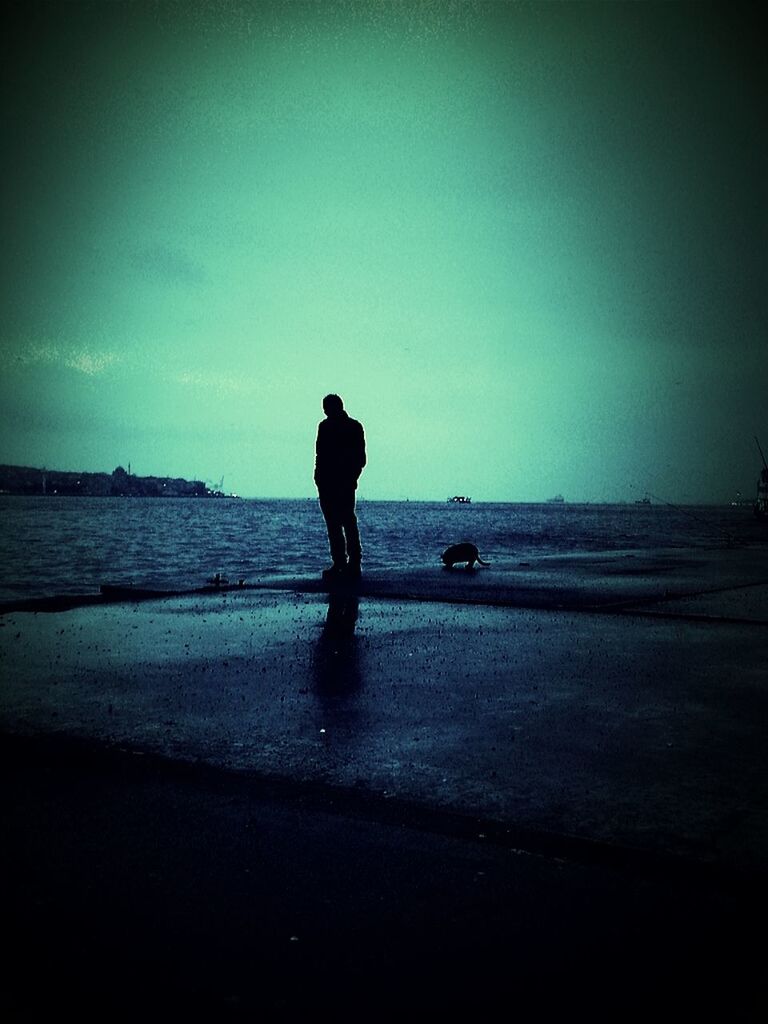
{"points": [[335, 659]]}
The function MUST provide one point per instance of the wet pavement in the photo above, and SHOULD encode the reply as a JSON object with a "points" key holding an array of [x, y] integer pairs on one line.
{"points": [[603, 715]]}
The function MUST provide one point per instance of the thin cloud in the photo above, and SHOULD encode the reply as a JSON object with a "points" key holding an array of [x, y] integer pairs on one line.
{"points": [[89, 362], [215, 383]]}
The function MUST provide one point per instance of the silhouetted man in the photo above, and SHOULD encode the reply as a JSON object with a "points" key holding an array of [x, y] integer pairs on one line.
{"points": [[339, 461]]}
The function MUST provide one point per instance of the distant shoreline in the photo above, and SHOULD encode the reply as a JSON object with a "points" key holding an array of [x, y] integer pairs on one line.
{"points": [[28, 481], [543, 502]]}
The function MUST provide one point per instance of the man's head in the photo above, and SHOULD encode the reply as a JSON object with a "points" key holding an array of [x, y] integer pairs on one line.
{"points": [[332, 405]]}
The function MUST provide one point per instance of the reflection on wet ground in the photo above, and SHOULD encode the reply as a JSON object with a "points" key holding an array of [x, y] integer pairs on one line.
{"points": [[335, 659]]}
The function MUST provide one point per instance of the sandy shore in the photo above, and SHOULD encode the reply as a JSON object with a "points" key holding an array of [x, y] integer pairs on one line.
{"points": [[545, 787]]}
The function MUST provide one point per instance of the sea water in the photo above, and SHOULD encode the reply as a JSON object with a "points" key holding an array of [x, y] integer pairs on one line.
{"points": [[58, 545]]}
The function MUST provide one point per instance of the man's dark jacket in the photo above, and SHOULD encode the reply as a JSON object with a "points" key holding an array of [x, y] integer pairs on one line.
{"points": [[339, 452]]}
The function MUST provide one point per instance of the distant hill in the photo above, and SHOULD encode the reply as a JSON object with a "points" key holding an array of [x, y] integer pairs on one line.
{"points": [[118, 483]]}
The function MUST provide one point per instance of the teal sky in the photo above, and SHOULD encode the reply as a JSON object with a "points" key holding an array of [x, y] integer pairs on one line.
{"points": [[525, 242]]}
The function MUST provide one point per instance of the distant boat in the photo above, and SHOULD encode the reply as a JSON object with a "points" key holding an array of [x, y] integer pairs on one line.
{"points": [[557, 500], [643, 501], [460, 499]]}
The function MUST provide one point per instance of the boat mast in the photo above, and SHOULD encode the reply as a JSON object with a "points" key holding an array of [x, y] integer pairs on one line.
{"points": [[761, 452]]}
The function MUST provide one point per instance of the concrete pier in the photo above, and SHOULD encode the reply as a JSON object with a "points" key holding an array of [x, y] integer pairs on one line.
{"points": [[542, 785]]}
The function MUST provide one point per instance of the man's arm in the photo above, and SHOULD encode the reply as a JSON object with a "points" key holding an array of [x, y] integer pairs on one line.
{"points": [[360, 450], [317, 455]]}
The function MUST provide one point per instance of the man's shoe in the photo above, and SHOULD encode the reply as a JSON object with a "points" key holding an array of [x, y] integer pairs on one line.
{"points": [[335, 572]]}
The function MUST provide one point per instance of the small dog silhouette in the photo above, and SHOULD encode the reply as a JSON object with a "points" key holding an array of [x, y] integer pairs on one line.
{"points": [[465, 552]]}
